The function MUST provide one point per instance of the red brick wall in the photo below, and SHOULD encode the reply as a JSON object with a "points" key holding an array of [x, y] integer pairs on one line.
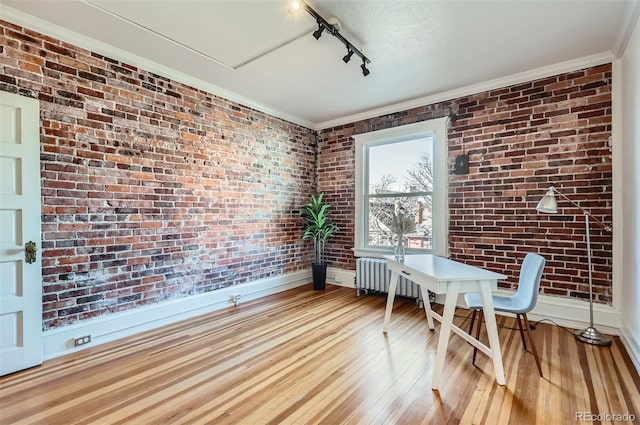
{"points": [[520, 139], [152, 189]]}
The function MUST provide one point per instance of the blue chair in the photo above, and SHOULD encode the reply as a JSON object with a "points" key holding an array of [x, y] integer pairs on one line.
{"points": [[519, 304]]}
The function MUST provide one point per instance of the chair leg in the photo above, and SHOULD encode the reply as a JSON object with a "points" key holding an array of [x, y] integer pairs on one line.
{"points": [[473, 319], [533, 344], [475, 349], [524, 344]]}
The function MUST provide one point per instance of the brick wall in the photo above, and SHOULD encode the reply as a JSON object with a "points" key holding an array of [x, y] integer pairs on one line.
{"points": [[152, 189], [520, 139]]}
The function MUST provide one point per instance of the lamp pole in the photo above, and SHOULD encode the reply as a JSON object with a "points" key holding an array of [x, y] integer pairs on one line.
{"points": [[549, 205], [591, 335]]}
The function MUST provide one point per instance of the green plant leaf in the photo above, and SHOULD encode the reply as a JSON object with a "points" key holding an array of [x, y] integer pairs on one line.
{"points": [[318, 226]]}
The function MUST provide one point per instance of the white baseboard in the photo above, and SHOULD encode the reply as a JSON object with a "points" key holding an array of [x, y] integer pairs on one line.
{"points": [[341, 277], [572, 313], [60, 341], [569, 313], [56, 342], [633, 347]]}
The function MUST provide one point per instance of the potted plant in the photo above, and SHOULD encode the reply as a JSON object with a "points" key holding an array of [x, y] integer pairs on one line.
{"points": [[319, 229]]}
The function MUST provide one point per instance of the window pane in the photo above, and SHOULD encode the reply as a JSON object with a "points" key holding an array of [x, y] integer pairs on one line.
{"points": [[401, 167], [380, 217], [407, 163]]}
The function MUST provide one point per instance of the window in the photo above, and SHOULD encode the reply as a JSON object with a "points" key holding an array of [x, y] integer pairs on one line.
{"points": [[404, 165]]}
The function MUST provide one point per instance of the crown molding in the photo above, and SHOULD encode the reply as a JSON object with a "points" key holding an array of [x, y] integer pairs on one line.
{"points": [[522, 77], [631, 16], [36, 24]]}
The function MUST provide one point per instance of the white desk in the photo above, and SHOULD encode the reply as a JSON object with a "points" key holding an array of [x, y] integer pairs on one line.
{"points": [[444, 276]]}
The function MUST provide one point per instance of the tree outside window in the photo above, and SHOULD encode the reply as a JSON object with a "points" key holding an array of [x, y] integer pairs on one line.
{"points": [[395, 179]]}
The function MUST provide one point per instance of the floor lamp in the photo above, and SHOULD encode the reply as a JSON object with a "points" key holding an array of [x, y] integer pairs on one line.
{"points": [[549, 205]]}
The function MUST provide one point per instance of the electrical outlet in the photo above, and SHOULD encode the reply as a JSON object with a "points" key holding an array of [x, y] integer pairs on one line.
{"points": [[337, 279], [234, 299], [83, 340]]}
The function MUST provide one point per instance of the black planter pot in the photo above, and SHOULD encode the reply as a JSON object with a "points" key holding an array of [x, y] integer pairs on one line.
{"points": [[319, 276]]}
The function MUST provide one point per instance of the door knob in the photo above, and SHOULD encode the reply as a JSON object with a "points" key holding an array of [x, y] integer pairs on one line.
{"points": [[30, 252]]}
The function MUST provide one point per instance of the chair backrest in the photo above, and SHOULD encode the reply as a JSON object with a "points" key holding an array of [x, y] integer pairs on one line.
{"points": [[529, 282]]}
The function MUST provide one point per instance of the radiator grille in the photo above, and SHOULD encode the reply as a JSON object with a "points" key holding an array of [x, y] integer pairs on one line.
{"points": [[372, 274]]}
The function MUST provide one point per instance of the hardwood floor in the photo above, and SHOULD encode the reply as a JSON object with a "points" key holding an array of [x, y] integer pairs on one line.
{"points": [[305, 357]]}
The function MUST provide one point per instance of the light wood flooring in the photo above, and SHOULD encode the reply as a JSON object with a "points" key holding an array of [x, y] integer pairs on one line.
{"points": [[320, 357]]}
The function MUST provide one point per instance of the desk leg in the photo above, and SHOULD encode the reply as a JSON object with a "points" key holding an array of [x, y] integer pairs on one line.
{"points": [[445, 331], [427, 306], [492, 331], [393, 284]]}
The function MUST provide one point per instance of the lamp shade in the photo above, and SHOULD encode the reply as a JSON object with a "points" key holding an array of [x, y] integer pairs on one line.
{"points": [[548, 203]]}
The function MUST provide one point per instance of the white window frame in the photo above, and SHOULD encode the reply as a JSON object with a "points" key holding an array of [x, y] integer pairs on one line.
{"points": [[436, 128]]}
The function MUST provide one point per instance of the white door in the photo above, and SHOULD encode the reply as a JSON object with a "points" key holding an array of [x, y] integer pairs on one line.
{"points": [[20, 276]]}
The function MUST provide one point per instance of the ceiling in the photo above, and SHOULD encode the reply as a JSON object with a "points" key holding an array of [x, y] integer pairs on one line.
{"points": [[260, 54]]}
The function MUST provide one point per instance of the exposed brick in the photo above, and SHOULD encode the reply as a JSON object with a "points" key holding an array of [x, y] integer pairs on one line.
{"points": [[515, 155], [143, 198]]}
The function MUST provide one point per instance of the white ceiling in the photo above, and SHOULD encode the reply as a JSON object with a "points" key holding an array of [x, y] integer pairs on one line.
{"points": [[258, 53]]}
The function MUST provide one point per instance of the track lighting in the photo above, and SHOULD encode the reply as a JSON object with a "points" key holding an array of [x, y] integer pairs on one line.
{"points": [[347, 57], [335, 31], [317, 33], [365, 71]]}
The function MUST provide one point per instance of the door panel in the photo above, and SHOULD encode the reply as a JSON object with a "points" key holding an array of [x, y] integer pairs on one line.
{"points": [[20, 281]]}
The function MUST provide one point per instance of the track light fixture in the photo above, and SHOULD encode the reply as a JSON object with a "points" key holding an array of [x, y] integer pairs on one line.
{"points": [[335, 31], [317, 33], [365, 71], [347, 57]]}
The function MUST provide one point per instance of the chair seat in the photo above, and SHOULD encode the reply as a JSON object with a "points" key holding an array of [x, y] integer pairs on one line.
{"points": [[508, 303]]}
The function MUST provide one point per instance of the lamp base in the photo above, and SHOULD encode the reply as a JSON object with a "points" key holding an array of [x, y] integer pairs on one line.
{"points": [[592, 336]]}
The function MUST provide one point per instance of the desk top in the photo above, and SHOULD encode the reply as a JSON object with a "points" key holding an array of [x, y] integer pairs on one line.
{"points": [[440, 268]]}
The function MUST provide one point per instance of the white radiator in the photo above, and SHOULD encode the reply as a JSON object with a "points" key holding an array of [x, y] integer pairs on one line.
{"points": [[372, 275]]}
